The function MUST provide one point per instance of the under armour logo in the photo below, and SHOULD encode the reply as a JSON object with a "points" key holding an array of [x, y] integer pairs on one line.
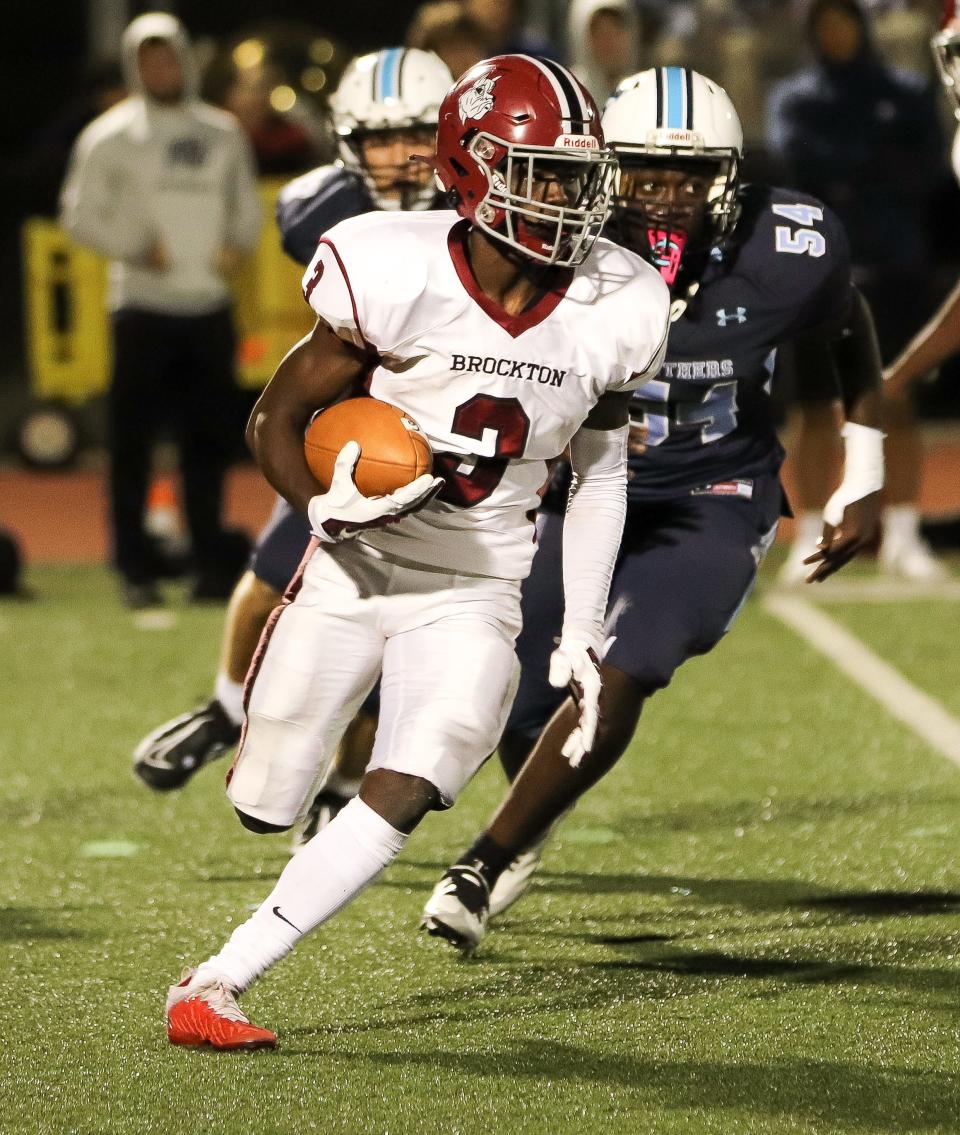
{"points": [[724, 317]]}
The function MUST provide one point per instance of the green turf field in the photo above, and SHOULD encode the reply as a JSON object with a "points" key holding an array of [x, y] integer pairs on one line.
{"points": [[753, 925]]}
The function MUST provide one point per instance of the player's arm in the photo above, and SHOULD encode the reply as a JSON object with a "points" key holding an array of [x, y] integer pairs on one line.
{"points": [[592, 531], [321, 368], [931, 346], [852, 514]]}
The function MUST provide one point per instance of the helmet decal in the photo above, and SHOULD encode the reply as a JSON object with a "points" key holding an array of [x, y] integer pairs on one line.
{"points": [[674, 98], [477, 101], [574, 111]]}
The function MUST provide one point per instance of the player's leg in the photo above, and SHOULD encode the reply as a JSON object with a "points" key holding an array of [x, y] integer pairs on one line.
{"points": [[685, 571], [343, 781], [901, 301], [170, 754], [445, 693], [536, 700], [903, 551], [317, 660]]}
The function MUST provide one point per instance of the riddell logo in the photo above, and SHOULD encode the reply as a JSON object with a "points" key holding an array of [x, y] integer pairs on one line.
{"points": [[576, 142]]}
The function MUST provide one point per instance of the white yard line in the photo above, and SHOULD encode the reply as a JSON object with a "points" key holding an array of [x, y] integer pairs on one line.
{"points": [[900, 698], [877, 591], [154, 620]]}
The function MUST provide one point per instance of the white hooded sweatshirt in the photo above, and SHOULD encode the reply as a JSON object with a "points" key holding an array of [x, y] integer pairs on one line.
{"points": [[180, 174], [594, 73]]}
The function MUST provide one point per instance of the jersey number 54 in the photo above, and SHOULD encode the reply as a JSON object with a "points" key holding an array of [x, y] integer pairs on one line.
{"points": [[802, 240]]}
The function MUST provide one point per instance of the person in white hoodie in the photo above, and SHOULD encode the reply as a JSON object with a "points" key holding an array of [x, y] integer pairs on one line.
{"points": [[603, 42], [164, 185]]}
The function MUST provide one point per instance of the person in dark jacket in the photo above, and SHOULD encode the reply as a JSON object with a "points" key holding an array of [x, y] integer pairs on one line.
{"points": [[864, 138]]}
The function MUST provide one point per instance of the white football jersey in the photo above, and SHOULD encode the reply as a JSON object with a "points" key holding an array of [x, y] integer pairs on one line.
{"points": [[497, 396]]}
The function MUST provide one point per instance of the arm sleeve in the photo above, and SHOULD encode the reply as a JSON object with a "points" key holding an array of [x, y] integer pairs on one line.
{"points": [[856, 354], [593, 528], [244, 210], [94, 205], [841, 357], [328, 290], [828, 304]]}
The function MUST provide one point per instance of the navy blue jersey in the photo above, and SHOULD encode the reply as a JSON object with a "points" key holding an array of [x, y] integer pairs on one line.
{"points": [[709, 414], [315, 202]]}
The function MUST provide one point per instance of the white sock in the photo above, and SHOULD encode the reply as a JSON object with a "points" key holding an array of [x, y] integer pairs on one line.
{"points": [[318, 881], [230, 695], [901, 524], [808, 530]]}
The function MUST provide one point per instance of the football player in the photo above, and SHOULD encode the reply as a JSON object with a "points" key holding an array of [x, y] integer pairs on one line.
{"points": [[385, 114], [508, 333], [940, 337], [749, 268]]}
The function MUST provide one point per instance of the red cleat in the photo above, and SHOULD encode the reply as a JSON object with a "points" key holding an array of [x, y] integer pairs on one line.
{"points": [[209, 1014]]}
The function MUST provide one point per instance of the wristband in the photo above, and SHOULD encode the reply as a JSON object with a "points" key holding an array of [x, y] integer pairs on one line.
{"points": [[862, 469]]}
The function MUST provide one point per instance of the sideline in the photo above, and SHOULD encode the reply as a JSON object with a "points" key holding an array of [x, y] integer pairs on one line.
{"points": [[900, 698]]}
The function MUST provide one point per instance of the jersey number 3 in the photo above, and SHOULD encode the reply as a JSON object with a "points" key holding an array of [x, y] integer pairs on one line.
{"points": [[470, 480]]}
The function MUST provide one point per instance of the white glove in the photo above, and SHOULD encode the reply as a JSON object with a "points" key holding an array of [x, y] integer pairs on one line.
{"points": [[343, 511], [574, 663]]}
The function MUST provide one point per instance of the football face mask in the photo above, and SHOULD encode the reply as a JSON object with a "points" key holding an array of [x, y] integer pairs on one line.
{"points": [[663, 208], [550, 203], [398, 164]]}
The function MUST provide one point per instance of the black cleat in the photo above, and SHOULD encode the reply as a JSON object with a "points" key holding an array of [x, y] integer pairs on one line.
{"points": [[459, 908], [325, 806], [169, 756]]}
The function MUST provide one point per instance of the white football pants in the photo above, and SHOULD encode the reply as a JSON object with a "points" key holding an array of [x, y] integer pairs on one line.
{"points": [[449, 674]]}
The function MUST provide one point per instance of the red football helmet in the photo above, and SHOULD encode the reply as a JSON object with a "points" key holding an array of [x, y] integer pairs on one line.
{"points": [[520, 152]]}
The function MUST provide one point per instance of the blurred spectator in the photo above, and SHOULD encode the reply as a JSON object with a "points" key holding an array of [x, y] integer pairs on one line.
{"points": [[444, 28], [502, 24], [281, 145], [740, 43], [604, 39], [164, 185], [865, 139], [902, 33], [39, 173]]}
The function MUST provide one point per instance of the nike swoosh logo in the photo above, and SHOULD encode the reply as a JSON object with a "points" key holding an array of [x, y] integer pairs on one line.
{"points": [[276, 911]]}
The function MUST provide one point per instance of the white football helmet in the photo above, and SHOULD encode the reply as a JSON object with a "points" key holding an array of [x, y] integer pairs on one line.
{"points": [[669, 116], [397, 88]]}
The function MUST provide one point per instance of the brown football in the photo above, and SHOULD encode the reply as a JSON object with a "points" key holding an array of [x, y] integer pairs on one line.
{"points": [[393, 449]]}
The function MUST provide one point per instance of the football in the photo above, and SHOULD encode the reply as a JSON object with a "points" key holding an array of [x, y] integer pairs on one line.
{"points": [[393, 449]]}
